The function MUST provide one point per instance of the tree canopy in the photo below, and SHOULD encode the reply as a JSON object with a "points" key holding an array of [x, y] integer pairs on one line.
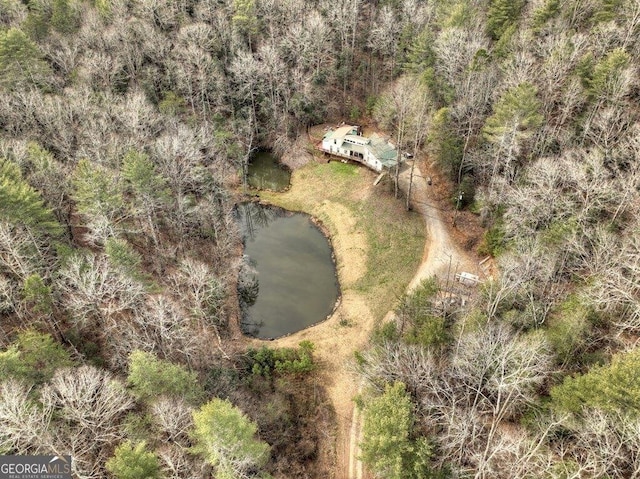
{"points": [[151, 377], [20, 203], [21, 62], [386, 442], [226, 439], [613, 388], [131, 461]]}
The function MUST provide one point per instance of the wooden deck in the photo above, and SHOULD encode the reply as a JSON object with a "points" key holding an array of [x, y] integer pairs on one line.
{"points": [[346, 157]]}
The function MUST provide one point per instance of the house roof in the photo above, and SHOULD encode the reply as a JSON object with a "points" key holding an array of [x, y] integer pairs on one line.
{"points": [[339, 133], [383, 151]]}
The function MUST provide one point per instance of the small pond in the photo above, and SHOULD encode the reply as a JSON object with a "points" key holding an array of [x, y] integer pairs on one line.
{"points": [[265, 172], [288, 280]]}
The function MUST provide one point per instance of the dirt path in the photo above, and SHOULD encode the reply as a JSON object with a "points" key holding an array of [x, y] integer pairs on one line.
{"points": [[441, 253], [336, 343], [441, 257]]}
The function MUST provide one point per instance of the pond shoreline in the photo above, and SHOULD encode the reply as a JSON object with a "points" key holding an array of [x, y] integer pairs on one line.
{"points": [[294, 268]]}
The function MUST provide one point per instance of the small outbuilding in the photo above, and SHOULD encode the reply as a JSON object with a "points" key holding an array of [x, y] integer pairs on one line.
{"points": [[468, 279]]}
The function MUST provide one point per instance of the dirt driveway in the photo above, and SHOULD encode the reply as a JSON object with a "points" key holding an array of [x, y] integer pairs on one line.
{"points": [[441, 257]]}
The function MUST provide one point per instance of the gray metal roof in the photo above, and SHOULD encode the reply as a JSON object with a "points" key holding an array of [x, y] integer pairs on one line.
{"points": [[383, 151]]}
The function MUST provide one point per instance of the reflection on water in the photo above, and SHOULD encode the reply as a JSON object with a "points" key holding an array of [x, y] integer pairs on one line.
{"points": [[288, 279], [253, 217], [265, 172]]}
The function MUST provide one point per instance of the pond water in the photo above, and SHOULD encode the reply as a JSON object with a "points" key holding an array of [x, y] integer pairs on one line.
{"points": [[265, 172], [288, 281]]}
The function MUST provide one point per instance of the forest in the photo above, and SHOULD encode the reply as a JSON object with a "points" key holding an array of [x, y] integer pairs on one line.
{"points": [[126, 127]]}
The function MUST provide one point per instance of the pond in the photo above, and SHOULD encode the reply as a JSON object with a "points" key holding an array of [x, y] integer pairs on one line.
{"points": [[288, 280], [265, 172]]}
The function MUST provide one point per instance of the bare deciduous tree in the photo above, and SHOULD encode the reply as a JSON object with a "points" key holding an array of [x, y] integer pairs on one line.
{"points": [[175, 420], [24, 424], [90, 404], [97, 294]]}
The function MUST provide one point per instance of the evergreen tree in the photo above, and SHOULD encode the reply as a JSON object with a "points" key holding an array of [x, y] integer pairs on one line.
{"points": [[518, 109], [456, 14], [502, 15], [445, 146], [96, 191], [37, 25], [21, 204], [151, 377], [388, 420], [65, 17], [606, 11], [245, 18], [515, 118], [148, 186], [134, 462], [38, 294], [604, 81], [125, 258], [33, 358], [544, 13], [225, 437], [421, 60], [21, 63], [140, 173], [612, 388]]}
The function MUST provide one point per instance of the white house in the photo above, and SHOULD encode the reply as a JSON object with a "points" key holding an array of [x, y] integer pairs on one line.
{"points": [[347, 142]]}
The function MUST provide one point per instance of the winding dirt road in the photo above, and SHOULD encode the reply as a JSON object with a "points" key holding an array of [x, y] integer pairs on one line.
{"points": [[441, 258], [335, 344]]}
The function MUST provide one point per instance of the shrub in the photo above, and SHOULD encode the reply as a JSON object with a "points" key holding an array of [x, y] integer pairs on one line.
{"points": [[269, 361]]}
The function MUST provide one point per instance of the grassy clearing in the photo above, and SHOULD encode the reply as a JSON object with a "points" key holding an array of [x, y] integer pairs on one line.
{"points": [[395, 237]]}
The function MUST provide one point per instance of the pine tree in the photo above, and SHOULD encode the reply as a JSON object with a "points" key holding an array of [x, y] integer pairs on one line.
{"points": [[518, 109], [148, 187], [612, 388], [515, 118], [140, 173], [421, 60], [21, 63], [604, 81], [606, 11], [245, 18], [150, 377], [65, 17], [456, 14], [544, 13], [38, 294], [388, 421], [22, 204], [502, 15], [134, 462], [96, 191], [225, 437], [445, 146], [124, 258], [33, 358]]}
